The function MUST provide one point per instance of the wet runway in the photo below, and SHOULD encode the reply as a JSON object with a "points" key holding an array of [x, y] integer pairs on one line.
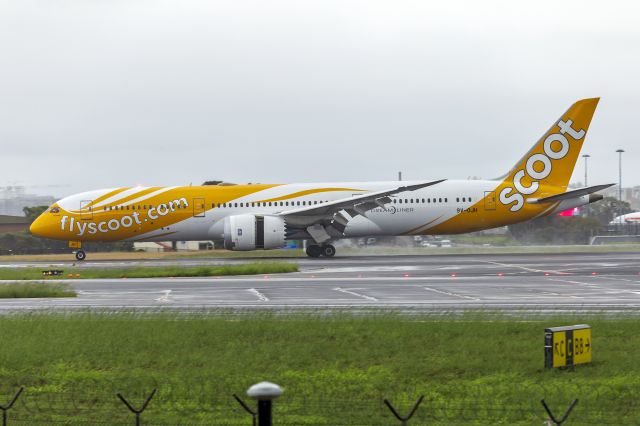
{"points": [[559, 283]]}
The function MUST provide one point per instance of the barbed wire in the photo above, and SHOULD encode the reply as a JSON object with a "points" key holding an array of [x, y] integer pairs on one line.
{"points": [[198, 402]]}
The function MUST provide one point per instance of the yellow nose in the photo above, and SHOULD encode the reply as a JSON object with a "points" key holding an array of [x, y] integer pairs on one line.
{"points": [[38, 226]]}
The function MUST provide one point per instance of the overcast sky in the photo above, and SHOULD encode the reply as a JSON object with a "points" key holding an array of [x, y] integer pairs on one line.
{"points": [[104, 93]]}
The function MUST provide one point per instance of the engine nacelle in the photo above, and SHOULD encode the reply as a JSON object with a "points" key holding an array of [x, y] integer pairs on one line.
{"points": [[250, 232]]}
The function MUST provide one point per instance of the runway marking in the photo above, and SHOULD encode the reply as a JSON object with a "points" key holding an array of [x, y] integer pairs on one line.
{"points": [[572, 282], [619, 279], [450, 294], [165, 297], [507, 265], [259, 295], [353, 293], [401, 268], [272, 278]]}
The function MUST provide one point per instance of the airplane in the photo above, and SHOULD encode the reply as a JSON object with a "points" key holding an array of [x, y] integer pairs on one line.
{"points": [[626, 219], [266, 216]]}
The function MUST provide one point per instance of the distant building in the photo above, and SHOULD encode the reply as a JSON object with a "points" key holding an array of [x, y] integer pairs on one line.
{"points": [[14, 198], [13, 224]]}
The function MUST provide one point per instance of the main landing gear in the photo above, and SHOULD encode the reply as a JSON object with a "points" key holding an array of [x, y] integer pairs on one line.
{"points": [[326, 250], [81, 255]]}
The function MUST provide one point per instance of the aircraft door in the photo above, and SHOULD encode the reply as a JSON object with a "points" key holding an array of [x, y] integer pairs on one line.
{"points": [[199, 208], [489, 200], [86, 210]]}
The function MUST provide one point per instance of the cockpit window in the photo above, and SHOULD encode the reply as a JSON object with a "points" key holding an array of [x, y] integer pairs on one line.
{"points": [[54, 210]]}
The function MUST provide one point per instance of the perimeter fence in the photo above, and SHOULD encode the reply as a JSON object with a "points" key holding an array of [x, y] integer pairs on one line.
{"points": [[95, 402]]}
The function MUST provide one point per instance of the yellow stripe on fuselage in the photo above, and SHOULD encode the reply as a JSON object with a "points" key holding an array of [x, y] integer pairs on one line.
{"points": [[308, 192], [108, 195]]}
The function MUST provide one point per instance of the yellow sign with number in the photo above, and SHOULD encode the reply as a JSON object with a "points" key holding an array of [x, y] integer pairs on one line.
{"points": [[582, 346], [568, 346], [559, 349]]}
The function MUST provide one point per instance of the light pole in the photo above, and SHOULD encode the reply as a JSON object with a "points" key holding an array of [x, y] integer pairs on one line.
{"points": [[619, 151], [586, 157]]}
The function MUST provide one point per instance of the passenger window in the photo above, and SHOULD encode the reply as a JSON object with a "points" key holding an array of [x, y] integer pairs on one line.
{"points": [[235, 205], [439, 200], [446, 200], [400, 200]]}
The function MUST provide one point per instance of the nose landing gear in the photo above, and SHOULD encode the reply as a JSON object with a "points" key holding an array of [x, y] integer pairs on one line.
{"points": [[326, 250], [80, 255], [77, 245]]}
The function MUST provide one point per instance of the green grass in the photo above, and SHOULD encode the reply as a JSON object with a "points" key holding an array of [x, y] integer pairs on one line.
{"points": [[151, 272], [35, 289], [334, 369]]}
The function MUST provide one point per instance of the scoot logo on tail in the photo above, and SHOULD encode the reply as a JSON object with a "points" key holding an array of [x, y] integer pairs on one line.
{"points": [[508, 196]]}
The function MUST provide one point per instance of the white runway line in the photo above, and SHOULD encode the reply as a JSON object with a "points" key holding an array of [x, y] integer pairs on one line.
{"points": [[621, 279], [165, 297], [259, 295], [353, 293], [507, 265], [572, 282], [450, 294]]}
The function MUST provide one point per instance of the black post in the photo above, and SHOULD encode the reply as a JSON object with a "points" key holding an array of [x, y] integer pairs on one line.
{"points": [[404, 419], [264, 393], [5, 408], [553, 418], [136, 411], [264, 413]]}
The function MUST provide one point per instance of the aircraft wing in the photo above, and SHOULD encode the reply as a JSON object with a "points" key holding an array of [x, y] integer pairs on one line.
{"points": [[328, 220]]}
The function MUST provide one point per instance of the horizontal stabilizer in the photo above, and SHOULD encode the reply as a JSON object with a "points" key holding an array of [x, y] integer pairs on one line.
{"points": [[570, 194]]}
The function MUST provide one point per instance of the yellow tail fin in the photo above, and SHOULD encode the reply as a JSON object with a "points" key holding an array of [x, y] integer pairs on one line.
{"points": [[552, 159]]}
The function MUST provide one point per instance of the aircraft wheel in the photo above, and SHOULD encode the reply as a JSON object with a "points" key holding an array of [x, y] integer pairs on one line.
{"points": [[328, 250], [81, 255], [314, 251]]}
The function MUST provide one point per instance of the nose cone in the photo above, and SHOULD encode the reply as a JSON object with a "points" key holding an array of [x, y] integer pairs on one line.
{"points": [[47, 224], [39, 226]]}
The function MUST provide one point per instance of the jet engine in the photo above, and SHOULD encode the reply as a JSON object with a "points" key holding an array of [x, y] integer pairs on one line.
{"points": [[251, 232]]}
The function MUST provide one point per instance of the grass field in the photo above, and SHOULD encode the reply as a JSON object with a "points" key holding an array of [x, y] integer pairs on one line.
{"points": [[151, 272], [335, 369], [35, 289]]}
